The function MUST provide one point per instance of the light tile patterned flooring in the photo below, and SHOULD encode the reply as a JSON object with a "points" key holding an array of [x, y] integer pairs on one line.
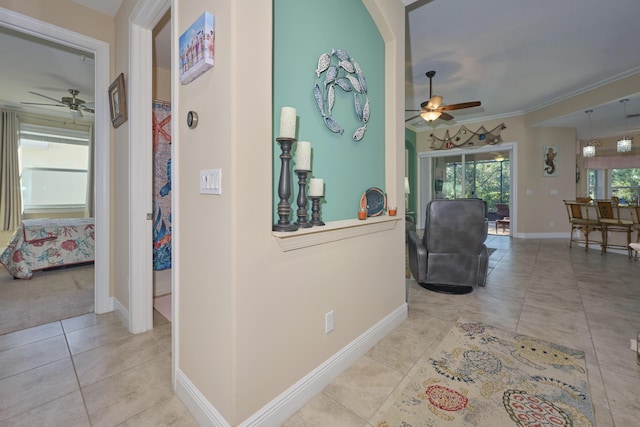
{"points": [[89, 371], [535, 287]]}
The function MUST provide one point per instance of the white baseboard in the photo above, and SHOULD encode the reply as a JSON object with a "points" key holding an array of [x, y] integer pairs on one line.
{"points": [[121, 312], [561, 235], [285, 405], [161, 282]]}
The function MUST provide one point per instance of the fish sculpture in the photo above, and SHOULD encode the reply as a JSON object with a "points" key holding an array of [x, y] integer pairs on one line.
{"points": [[330, 77], [340, 54], [359, 133], [361, 79], [323, 63], [365, 112], [354, 83], [347, 66], [344, 84], [331, 97], [333, 125], [357, 106], [317, 93]]}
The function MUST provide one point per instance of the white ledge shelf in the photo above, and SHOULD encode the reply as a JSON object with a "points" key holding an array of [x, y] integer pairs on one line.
{"points": [[334, 231]]}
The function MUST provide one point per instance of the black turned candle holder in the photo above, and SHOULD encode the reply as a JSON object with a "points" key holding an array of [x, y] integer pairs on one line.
{"points": [[284, 187], [315, 210], [302, 221]]}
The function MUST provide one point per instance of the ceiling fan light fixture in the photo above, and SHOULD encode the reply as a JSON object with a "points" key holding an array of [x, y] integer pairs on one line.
{"points": [[434, 102], [430, 115]]}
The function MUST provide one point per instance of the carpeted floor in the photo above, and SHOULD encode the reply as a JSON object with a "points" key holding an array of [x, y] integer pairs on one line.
{"points": [[47, 297], [485, 376]]}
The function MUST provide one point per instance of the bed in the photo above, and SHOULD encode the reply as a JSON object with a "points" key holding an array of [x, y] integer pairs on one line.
{"points": [[40, 244]]}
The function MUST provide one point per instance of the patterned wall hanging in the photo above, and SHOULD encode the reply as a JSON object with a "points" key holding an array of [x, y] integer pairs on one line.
{"points": [[465, 137], [338, 71], [161, 115]]}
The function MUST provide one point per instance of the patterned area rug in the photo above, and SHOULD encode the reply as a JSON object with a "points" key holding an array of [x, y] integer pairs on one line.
{"points": [[484, 376]]}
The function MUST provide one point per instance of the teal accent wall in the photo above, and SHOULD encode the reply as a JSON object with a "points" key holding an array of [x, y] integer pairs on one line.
{"points": [[304, 30], [412, 173]]}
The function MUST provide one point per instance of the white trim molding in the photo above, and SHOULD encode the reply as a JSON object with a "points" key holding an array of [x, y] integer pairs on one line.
{"points": [[292, 399]]}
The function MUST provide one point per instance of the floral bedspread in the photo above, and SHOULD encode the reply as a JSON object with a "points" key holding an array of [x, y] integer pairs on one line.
{"points": [[44, 243]]}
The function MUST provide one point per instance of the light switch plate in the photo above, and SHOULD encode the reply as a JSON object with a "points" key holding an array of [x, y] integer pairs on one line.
{"points": [[211, 181]]}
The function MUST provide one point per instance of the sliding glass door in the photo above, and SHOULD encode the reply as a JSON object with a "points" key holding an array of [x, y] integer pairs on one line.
{"points": [[484, 173]]}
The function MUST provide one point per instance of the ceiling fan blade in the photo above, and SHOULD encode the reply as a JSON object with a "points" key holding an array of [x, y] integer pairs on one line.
{"points": [[38, 103], [87, 109], [460, 106], [446, 116], [411, 118], [45, 96]]}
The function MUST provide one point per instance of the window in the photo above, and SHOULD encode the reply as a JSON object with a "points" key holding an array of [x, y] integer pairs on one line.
{"points": [[622, 183], [625, 184], [54, 168]]}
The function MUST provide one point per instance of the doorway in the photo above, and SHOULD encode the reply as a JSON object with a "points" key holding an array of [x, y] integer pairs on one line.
{"points": [[100, 50], [487, 173]]}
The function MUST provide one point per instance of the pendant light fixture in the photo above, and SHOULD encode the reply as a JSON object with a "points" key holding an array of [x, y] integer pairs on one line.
{"points": [[624, 144], [590, 149]]}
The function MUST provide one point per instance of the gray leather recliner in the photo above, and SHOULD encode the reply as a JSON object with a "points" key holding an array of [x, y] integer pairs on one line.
{"points": [[452, 256]]}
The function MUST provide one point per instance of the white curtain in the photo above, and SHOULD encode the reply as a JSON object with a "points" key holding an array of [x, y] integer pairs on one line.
{"points": [[10, 198], [88, 210]]}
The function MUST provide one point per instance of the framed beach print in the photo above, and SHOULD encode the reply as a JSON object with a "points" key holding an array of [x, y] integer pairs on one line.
{"points": [[118, 101], [550, 164], [197, 48]]}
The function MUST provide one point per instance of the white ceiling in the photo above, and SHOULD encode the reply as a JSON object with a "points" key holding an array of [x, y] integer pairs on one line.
{"points": [[513, 56], [518, 56]]}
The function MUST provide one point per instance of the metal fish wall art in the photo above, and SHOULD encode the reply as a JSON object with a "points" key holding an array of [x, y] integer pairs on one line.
{"points": [[357, 106], [344, 84], [355, 83], [347, 66], [359, 133], [365, 112], [333, 125], [323, 63], [319, 99], [331, 97], [339, 69], [340, 54], [330, 77]]}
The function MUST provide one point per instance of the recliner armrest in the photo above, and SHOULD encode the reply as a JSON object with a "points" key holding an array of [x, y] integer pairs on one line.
{"points": [[417, 256]]}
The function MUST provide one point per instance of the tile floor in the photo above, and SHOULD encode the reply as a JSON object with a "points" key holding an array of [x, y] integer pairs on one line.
{"points": [[89, 371], [536, 287]]}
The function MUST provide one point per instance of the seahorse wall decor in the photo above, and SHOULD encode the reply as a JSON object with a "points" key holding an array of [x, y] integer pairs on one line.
{"points": [[550, 153]]}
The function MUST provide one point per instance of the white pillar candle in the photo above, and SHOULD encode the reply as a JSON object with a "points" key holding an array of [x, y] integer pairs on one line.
{"points": [[303, 156], [288, 122], [316, 187]]}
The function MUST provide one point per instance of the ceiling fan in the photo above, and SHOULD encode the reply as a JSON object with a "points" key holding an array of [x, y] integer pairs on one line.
{"points": [[75, 105], [433, 108]]}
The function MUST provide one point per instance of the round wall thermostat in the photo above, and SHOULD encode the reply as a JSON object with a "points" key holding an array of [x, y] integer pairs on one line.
{"points": [[192, 119]]}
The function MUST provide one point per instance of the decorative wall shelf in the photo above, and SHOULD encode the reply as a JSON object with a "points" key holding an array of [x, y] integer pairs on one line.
{"points": [[334, 231]]}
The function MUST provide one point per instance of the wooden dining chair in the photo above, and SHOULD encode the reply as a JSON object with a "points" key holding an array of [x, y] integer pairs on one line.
{"points": [[609, 216], [635, 216], [581, 224]]}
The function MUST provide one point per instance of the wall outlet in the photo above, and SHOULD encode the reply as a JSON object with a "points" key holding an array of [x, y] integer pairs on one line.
{"points": [[634, 344], [328, 322]]}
